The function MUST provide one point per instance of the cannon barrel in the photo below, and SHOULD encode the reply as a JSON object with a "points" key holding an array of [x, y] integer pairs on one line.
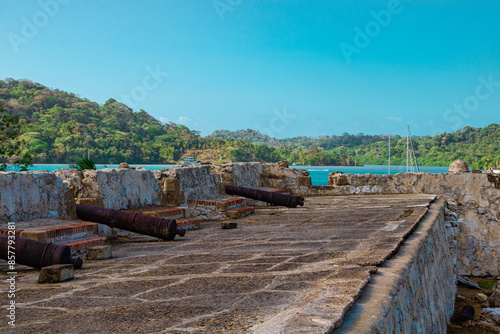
{"points": [[162, 228], [466, 314], [37, 254], [265, 196]]}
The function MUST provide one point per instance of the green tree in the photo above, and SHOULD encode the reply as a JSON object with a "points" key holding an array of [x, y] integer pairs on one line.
{"points": [[12, 143], [83, 164]]}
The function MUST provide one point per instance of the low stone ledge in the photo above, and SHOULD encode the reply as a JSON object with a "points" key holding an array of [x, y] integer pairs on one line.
{"points": [[56, 273], [420, 274]]}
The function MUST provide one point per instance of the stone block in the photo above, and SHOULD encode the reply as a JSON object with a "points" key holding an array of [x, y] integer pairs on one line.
{"points": [[233, 214], [99, 253], [35, 235], [338, 179], [92, 201], [171, 191], [172, 184], [481, 297], [56, 273]]}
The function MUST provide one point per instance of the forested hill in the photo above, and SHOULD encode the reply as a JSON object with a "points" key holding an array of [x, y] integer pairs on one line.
{"points": [[480, 147], [62, 127], [325, 142]]}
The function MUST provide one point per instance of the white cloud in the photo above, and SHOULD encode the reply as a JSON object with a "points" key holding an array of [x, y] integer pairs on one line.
{"points": [[180, 119], [392, 118], [183, 119]]}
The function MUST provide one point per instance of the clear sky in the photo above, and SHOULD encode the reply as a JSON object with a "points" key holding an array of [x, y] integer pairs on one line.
{"points": [[286, 68]]}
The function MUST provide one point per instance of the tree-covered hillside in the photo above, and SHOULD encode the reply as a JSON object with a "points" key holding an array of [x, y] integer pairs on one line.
{"points": [[325, 142], [64, 127], [479, 147], [61, 127]]}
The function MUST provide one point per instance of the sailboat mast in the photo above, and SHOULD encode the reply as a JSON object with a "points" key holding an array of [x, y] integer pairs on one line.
{"points": [[389, 171], [407, 147]]}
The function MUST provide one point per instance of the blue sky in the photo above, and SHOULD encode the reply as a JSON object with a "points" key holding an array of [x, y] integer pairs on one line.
{"points": [[286, 68]]}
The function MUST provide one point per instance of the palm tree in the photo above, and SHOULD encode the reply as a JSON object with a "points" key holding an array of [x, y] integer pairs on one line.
{"points": [[83, 163]]}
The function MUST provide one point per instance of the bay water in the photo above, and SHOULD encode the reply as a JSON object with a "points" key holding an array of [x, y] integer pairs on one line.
{"points": [[319, 174]]}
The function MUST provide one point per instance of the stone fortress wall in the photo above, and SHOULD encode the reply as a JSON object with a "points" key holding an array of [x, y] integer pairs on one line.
{"points": [[33, 195], [475, 197], [433, 256], [110, 188], [413, 292], [42, 194]]}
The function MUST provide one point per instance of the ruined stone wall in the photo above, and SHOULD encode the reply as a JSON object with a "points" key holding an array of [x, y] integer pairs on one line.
{"points": [[118, 189], [195, 182], [278, 175], [241, 174], [414, 292], [33, 195], [475, 197]]}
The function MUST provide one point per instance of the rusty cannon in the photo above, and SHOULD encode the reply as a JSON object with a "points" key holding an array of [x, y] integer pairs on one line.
{"points": [[265, 196], [162, 228], [36, 254]]}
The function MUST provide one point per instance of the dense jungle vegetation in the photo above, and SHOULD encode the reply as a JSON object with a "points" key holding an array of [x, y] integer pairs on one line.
{"points": [[61, 127]]}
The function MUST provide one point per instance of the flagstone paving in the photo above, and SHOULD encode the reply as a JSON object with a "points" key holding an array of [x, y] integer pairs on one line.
{"points": [[282, 270]]}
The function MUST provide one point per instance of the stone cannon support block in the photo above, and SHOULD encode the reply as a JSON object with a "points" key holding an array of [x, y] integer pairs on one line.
{"points": [[92, 201], [99, 253], [56, 273]]}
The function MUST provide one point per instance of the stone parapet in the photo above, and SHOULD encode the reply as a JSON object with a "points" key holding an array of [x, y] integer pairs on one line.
{"points": [[415, 291], [118, 188], [475, 197], [33, 195]]}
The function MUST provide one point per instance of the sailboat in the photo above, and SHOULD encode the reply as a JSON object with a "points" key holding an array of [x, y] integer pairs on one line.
{"points": [[411, 158]]}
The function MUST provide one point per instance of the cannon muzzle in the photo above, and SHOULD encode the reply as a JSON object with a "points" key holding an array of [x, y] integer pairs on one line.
{"points": [[265, 196], [37, 254], [162, 228]]}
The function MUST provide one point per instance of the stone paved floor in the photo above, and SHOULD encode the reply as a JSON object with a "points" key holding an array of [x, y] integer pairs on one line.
{"points": [[282, 270]]}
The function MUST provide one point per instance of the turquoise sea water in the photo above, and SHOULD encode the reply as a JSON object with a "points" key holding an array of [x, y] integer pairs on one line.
{"points": [[319, 174]]}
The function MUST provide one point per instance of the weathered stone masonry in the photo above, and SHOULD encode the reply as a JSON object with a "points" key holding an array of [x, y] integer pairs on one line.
{"points": [[415, 291], [475, 197], [33, 195]]}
